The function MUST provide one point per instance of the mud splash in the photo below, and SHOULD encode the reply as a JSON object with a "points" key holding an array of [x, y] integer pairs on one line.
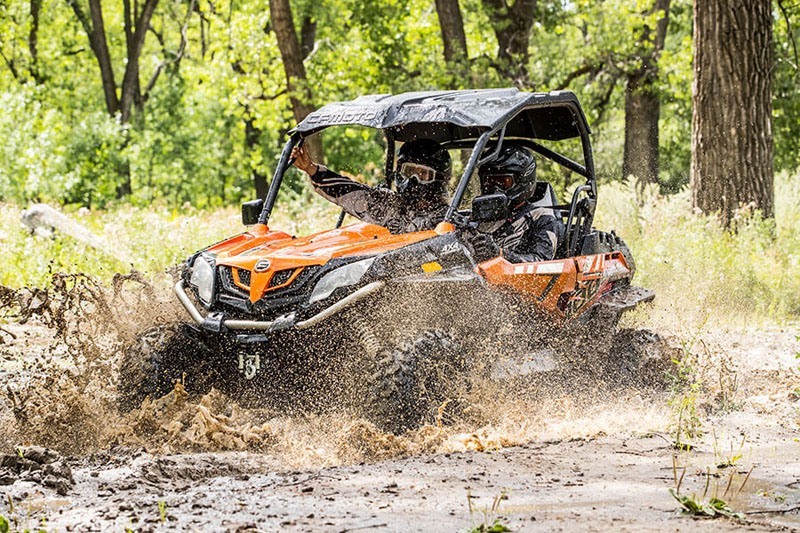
{"points": [[586, 440], [62, 382], [61, 365]]}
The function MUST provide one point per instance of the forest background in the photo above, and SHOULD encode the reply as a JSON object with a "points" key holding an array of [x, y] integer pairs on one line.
{"points": [[203, 113]]}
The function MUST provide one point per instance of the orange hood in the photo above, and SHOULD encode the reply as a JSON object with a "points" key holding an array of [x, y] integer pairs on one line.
{"points": [[285, 252]]}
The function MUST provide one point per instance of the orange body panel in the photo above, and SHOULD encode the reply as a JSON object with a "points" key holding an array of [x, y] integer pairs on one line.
{"points": [[562, 287], [286, 252]]}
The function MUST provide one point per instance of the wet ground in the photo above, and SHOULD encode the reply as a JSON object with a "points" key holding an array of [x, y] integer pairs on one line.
{"points": [[540, 449]]}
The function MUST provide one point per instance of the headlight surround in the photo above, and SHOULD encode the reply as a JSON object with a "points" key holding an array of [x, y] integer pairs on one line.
{"points": [[341, 277], [202, 278]]}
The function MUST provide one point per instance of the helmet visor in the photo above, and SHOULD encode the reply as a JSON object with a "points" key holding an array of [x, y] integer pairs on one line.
{"points": [[422, 173], [498, 182]]}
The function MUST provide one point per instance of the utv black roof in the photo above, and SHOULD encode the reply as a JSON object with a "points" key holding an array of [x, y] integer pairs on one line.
{"points": [[450, 116]]}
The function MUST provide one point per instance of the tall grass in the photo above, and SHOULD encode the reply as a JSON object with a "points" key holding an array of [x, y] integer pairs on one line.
{"points": [[149, 240], [699, 270]]}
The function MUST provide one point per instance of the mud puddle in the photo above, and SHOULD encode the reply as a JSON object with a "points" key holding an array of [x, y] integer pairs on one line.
{"points": [[539, 448]]}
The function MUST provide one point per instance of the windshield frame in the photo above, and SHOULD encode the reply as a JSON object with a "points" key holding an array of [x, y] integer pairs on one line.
{"points": [[475, 160]]}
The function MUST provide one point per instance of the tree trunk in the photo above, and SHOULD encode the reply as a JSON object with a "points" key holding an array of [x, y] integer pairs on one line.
{"points": [[296, 81], [95, 31], [512, 26], [136, 24], [453, 37], [33, 40], [252, 136], [642, 105], [732, 107], [131, 86]]}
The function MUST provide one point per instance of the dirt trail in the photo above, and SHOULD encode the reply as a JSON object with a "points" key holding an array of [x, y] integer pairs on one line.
{"points": [[549, 451]]}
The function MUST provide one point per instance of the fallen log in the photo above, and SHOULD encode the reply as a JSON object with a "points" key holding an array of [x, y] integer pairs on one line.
{"points": [[44, 220]]}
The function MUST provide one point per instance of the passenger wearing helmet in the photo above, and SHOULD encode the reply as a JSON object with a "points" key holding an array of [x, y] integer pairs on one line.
{"points": [[529, 233], [420, 202]]}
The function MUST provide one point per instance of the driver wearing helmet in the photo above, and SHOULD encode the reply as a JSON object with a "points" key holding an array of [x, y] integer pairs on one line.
{"points": [[420, 202], [530, 233]]}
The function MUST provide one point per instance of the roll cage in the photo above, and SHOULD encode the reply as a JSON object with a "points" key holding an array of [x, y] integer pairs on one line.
{"points": [[479, 119]]}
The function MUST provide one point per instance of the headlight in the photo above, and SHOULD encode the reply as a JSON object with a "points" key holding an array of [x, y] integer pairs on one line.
{"points": [[203, 278], [341, 277]]}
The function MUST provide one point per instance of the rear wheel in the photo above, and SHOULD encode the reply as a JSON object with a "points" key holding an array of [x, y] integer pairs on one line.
{"points": [[157, 359], [589, 340], [618, 245], [413, 382]]}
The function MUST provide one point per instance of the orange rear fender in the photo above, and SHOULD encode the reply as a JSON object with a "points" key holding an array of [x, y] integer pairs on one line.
{"points": [[582, 279], [543, 281]]}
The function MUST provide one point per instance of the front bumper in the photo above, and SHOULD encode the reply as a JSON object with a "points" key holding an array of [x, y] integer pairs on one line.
{"points": [[216, 322]]}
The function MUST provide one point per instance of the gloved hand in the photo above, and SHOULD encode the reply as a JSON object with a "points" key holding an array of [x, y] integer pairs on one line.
{"points": [[483, 247], [303, 161]]}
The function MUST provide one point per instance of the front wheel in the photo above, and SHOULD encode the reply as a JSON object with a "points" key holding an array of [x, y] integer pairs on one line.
{"points": [[157, 359], [415, 381]]}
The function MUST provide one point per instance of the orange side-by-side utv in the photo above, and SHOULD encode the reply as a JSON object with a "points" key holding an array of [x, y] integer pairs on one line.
{"points": [[391, 322]]}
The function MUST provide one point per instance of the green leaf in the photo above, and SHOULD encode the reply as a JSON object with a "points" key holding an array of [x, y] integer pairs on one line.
{"points": [[498, 527]]}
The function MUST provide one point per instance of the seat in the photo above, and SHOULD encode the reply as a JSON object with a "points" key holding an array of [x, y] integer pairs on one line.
{"points": [[545, 196]]}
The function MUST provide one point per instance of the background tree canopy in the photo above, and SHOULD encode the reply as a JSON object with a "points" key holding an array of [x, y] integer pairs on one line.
{"points": [[188, 100]]}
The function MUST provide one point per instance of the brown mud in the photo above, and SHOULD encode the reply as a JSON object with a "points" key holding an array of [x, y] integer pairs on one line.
{"points": [[544, 444]]}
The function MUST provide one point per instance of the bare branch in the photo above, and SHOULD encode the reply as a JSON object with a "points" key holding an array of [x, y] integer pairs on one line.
{"points": [[81, 15], [577, 73], [11, 66], [308, 35], [602, 104], [178, 55]]}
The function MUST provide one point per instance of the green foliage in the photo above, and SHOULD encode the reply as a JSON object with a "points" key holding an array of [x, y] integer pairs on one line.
{"points": [[496, 527], [162, 511], [687, 384], [489, 515], [4, 526], [786, 104], [675, 91], [732, 457], [714, 508], [218, 111]]}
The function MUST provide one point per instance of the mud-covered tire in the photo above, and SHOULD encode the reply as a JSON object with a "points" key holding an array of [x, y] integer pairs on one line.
{"points": [[618, 245], [411, 381], [641, 358], [156, 360]]}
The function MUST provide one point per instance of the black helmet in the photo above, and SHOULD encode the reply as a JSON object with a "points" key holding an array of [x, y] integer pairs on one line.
{"points": [[513, 172], [423, 167]]}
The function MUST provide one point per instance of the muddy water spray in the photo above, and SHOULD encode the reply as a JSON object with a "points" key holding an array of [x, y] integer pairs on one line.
{"points": [[63, 396]]}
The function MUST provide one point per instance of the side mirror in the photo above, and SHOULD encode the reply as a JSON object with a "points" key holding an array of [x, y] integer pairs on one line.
{"points": [[251, 212], [489, 207]]}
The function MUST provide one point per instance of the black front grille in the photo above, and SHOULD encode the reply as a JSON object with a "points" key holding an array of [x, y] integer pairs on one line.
{"points": [[280, 277], [244, 276], [226, 277], [277, 302]]}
